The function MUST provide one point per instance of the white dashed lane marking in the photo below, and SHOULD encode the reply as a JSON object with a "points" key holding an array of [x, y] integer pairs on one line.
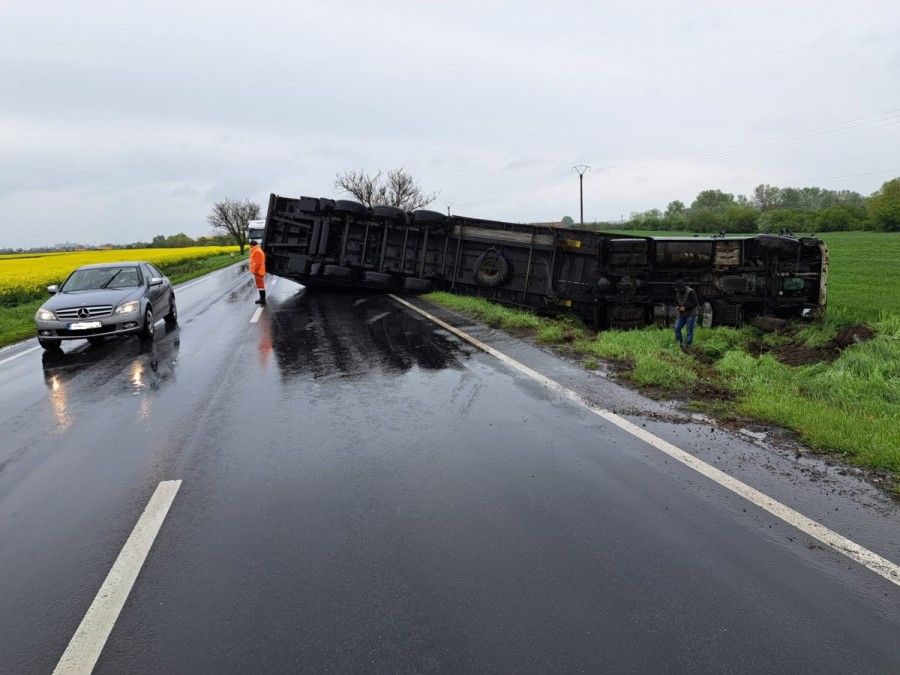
{"points": [[85, 646]]}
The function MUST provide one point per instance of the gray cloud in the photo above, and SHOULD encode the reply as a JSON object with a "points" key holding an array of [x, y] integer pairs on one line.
{"points": [[132, 118]]}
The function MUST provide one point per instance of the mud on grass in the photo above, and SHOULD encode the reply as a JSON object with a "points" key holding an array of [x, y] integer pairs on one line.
{"points": [[706, 389], [795, 353]]}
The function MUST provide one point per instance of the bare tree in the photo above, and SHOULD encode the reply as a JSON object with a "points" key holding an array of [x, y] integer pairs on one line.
{"points": [[230, 217], [397, 188]]}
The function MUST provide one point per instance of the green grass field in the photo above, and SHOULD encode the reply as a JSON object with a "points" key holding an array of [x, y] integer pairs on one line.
{"points": [[864, 275], [850, 407]]}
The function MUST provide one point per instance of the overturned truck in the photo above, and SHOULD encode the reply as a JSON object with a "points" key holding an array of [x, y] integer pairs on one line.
{"points": [[609, 280]]}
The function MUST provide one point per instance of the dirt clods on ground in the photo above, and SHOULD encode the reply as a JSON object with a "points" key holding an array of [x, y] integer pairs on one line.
{"points": [[801, 355], [851, 335]]}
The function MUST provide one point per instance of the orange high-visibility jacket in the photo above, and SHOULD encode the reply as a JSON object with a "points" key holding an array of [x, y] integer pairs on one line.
{"points": [[257, 260]]}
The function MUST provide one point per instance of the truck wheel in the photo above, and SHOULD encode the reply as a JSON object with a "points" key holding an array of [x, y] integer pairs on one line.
{"points": [[389, 213], [379, 279], [626, 318], [418, 285], [338, 272], [491, 269], [349, 207], [422, 216]]}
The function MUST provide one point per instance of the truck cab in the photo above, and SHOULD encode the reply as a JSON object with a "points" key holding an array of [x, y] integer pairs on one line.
{"points": [[255, 229]]}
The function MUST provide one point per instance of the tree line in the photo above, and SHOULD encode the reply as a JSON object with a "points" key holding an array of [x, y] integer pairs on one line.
{"points": [[770, 209]]}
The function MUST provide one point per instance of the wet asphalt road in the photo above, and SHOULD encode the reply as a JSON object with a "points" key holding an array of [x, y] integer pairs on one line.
{"points": [[364, 492]]}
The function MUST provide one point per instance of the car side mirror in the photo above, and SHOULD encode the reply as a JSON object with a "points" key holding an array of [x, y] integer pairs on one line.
{"points": [[52, 290], [156, 281]]}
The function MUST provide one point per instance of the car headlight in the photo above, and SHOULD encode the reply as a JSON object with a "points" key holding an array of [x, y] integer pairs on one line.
{"points": [[45, 314], [128, 307]]}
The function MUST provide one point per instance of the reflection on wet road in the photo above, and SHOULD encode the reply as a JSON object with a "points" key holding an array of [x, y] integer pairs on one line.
{"points": [[330, 334], [116, 366]]}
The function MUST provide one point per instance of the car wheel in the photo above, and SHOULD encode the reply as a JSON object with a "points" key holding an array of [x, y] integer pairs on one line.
{"points": [[149, 327], [49, 344], [172, 317]]}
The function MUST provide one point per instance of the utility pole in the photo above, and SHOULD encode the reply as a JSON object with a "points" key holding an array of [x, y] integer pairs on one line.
{"points": [[449, 204], [581, 169]]}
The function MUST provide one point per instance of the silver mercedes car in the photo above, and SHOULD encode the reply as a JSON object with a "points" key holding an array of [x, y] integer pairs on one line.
{"points": [[97, 301]]}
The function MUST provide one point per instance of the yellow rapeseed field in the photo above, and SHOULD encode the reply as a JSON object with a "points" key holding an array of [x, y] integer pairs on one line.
{"points": [[25, 276]]}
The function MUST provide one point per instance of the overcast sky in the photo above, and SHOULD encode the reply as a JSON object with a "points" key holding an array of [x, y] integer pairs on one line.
{"points": [[123, 120]]}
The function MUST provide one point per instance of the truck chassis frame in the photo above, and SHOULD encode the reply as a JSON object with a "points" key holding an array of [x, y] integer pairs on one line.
{"points": [[608, 280]]}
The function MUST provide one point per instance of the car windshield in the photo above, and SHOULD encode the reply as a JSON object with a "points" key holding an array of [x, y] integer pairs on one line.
{"points": [[107, 277]]}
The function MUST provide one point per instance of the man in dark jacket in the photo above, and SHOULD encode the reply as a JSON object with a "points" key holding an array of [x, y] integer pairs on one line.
{"points": [[688, 311]]}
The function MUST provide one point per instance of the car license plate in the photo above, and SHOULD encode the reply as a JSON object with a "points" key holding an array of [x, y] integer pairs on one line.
{"points": [[85, 325]]}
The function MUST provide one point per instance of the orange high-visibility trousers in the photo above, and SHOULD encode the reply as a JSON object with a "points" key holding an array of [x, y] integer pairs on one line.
{"points": [[257, 266]]}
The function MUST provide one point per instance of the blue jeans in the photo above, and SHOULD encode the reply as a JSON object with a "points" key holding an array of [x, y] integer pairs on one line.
{"points": [[680, 323]]}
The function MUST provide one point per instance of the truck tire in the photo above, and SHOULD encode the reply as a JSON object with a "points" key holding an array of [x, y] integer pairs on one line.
{"points": [[379, 279], [627, 317], [437, 223], [389, 213], [491, 268], [417, 285], [349, 207], [431, 217], [338, 272]]}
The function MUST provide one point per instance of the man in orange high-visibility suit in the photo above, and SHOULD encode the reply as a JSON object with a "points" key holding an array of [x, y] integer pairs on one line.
{"points": [[258, 269]]}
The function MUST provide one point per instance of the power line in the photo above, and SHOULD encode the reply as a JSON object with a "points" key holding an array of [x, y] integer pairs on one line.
{"points": [[834, 130], [888, 118]]}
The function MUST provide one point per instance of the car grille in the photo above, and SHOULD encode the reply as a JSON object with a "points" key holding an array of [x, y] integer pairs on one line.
{"points": [[92, 312]]}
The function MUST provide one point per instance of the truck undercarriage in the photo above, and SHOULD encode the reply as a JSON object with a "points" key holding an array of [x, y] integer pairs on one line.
{"points": [[608, 280]]}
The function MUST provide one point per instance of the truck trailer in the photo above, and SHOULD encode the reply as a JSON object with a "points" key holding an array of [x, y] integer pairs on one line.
{"points": [[609, 280]]}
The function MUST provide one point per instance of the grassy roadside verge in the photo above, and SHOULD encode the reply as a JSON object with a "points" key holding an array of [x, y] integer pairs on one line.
{"points": [[17, 323], [846, 405]]}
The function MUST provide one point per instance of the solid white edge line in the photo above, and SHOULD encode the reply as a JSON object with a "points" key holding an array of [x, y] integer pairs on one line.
{"points": [[22, 353], [256, 315], [85, 646], [838, 542]]}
